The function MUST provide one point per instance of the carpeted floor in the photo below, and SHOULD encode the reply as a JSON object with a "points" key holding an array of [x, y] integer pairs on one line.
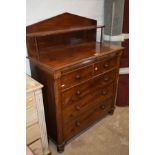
{"points": [[107, 137]]}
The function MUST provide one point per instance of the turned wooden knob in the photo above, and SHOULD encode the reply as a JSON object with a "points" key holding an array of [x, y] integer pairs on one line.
{"points": [[106, 65], [77, 108], [78, 92], [96, 69], [62, 85], [104, 92], [78, 123], [77, 77]]}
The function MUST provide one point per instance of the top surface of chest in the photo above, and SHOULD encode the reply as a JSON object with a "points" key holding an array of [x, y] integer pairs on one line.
{"points": [[77, 55]]}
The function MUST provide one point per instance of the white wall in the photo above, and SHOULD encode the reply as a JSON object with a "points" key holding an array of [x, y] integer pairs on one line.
{"points": [[38, 10]]}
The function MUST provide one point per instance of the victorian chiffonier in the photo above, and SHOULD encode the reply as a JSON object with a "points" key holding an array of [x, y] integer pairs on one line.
{"points": [[79, 75]]}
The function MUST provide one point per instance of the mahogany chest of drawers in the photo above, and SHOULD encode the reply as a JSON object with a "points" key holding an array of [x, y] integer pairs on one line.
{"points": [[79, 75]]}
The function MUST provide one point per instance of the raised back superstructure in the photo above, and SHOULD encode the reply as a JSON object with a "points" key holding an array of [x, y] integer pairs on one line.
{"points": [[59, 32]]}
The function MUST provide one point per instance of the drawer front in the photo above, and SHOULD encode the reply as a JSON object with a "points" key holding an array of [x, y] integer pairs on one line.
{"points": [[105, 65], [76, 93], [105, 78], [32, 133], [73, 127], [75, 77], [31, 115], [83, 105], [36, 147], [85, 91]]}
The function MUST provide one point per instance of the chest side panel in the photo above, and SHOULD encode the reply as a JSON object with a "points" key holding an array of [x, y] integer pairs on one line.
{"points": [[45, 77]]}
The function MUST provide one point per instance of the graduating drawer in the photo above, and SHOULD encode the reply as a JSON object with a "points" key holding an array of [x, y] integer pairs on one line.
{"points": [[74, 77], [86, 103], [77, 125], [77, 93], [105, 65]]}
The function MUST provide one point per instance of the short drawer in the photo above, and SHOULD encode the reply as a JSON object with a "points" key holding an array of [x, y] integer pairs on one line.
{"points": [[74, 77], [83, 105], [31, 115], [105, 65], [32, 133], [36, 147], [77, 125], [105, 78]]}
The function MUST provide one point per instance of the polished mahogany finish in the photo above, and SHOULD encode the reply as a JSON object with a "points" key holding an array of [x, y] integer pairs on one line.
{"points": [[80, 76]]}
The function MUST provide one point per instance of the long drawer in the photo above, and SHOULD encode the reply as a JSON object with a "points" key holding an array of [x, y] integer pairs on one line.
{"points": [[75, 126], [83, 105]]}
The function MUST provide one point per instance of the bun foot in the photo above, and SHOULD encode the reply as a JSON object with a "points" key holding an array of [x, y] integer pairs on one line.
{"points": [[111, 112], [60, 148]]}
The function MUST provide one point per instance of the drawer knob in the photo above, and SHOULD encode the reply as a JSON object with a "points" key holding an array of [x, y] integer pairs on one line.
{"points": [[104, 92], [106, 65], [77, 108], [102, 107], [106, 78], [77, 77], [78, 92], [62, 85], [96, 68], [77, 123]]}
